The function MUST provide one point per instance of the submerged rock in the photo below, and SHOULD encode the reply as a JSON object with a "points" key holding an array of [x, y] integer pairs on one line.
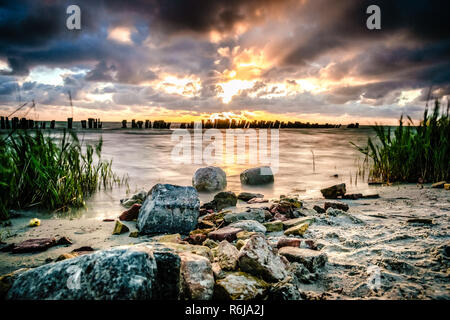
{"points": [[209, 179], [170, 209], [34, 245], [256, 176], [334, 192], [197, 277], [246, 196], [311, 259], [240, 286], [227, 255], [131, 214], [258, 258], [119, 273], [249, 225]]}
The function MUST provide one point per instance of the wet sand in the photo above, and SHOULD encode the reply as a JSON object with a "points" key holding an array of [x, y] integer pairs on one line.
{"points": [[412, 258]]}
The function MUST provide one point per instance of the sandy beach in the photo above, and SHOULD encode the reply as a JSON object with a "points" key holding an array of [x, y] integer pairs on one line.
{"points": [[412, 258]]}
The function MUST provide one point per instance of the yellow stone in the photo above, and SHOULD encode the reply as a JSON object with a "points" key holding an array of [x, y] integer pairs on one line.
{"points": [[35, 222], [134, 234], [447, 186], [297, 230], [120, 228]]}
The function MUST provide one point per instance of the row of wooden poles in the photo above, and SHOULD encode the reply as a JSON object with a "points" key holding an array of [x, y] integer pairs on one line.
{"points": [[262, 124], [93, 123], [24, 123], [157, 124]]}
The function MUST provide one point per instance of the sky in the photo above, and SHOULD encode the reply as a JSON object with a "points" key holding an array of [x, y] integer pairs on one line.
{"points": [[177, 60]]}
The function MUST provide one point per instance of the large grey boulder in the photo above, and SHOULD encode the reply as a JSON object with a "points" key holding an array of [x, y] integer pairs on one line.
{"points": [[256, 176], [169, 209], [258, 258], [209, 179], [120, 273]]}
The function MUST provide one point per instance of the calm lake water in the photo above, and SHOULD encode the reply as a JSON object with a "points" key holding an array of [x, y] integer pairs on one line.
{"points": [[145, 156]]}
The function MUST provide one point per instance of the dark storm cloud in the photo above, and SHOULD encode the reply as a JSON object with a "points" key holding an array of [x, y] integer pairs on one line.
{"points": [[410, 52]]}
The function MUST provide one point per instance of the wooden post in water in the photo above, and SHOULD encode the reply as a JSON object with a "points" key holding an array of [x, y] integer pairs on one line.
{"points": [[83, 124], [99, 124], [124, 124], [133, 123], [140, 123], [90, 122], [52, 124], [147, 122], [3, 125], [69, 123], [7, 123], [95, 123]]}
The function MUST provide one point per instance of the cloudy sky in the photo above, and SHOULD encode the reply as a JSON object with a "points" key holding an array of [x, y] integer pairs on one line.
{"points": [[259, 59]]}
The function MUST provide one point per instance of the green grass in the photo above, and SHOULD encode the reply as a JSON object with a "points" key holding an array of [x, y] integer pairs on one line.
{"points": [[37, 171], [411, 153]]}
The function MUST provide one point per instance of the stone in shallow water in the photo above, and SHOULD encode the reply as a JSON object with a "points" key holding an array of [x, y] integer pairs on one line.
{"points": [[246, 196], [119, 273], [240, 286], [169, 209], [334, 192], [209, 179], [258, 258], [256, 176], [312, 259]]}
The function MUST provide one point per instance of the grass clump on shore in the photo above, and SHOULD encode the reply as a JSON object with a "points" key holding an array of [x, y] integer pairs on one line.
{"points": [[38, 171], [412, 153]]}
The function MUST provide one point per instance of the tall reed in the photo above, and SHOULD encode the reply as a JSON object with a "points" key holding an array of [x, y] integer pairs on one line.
{"points": [[411, 153], [38, 171]]}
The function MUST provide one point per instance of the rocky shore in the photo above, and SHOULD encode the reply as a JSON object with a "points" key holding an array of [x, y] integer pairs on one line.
{"points": [[393, 244]]}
